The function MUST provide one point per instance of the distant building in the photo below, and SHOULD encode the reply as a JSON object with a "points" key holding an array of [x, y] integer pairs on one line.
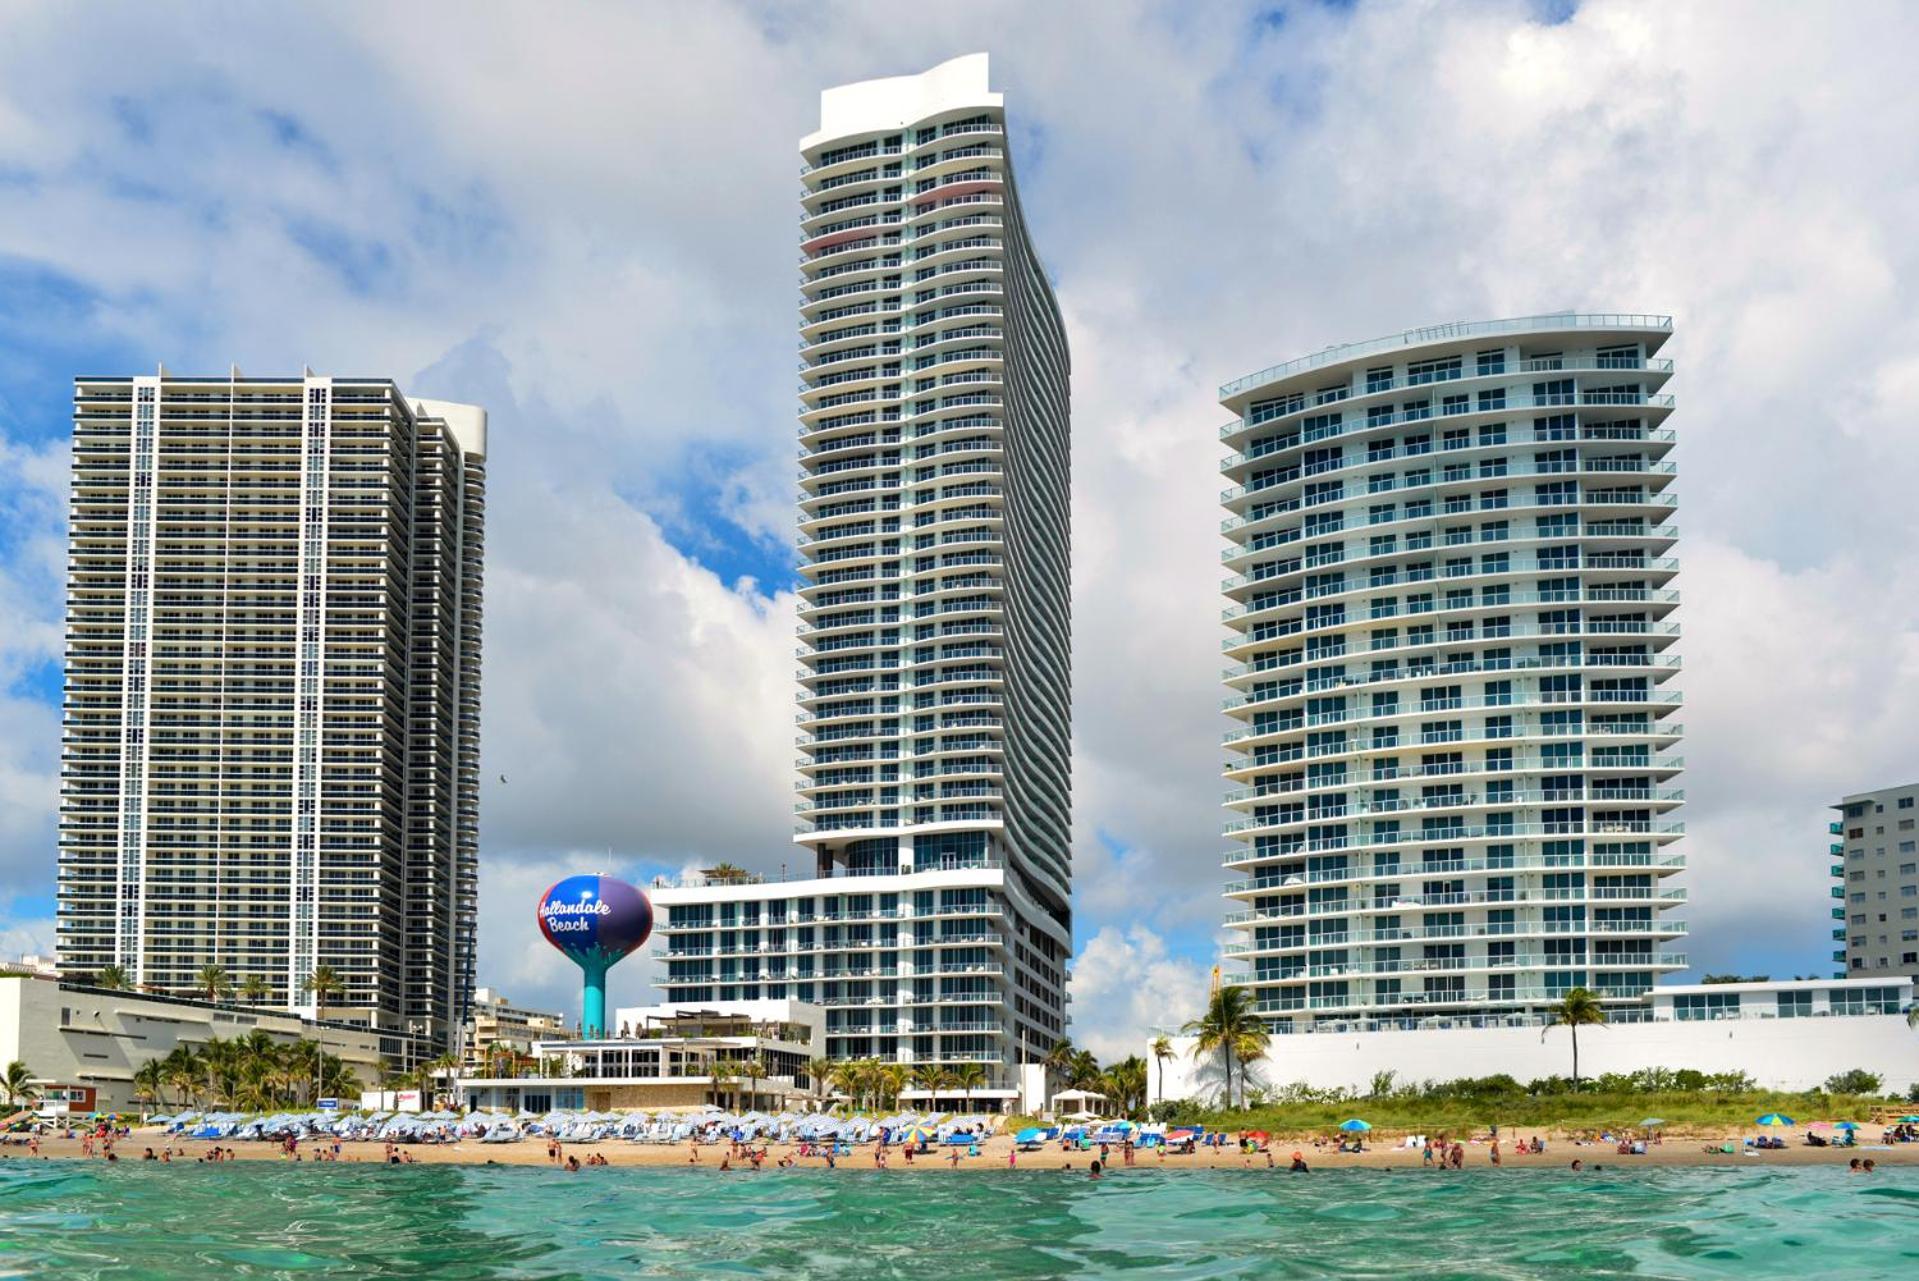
{"points": [[671, 1056], [1876, 839], [495, 1023], [34, 964], [74, 1037], [271, 753]]}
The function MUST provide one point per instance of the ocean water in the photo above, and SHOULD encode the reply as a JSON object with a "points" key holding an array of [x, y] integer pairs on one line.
{"points": [[254, 1219]]}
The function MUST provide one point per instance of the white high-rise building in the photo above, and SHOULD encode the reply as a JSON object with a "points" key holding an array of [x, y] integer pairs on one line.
{"points": [[271, 752], [935, 664], [1455, 748]]}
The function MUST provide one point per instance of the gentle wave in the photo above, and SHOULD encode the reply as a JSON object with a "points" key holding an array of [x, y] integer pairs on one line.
{"points": [[258, 1220]]}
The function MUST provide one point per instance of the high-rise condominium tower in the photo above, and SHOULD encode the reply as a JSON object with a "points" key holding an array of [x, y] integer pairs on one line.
{"points": [[1876, 903], [935, 604], [272, 706], [1453, 770]]}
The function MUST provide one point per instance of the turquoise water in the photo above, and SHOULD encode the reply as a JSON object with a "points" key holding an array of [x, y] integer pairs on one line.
{"points": [[247, 1219]]}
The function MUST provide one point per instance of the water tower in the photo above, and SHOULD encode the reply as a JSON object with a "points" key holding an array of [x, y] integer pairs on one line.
{"points": [[597, 921]]}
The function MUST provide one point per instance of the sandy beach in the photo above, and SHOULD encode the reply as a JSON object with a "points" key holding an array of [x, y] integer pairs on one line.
{"points": [[1675, 1150]]}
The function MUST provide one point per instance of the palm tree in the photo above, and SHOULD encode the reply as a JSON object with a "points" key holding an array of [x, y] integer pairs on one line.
{"points": [[1083, 1071], [183, 1068], [724, 1077], [1162, 1048], [254, 989], [1125, 1084], [935, 1080], [445, 1066], [969, 1077], [16, 1083], [113, 977], [1578, 1008], [214, 981], [325, 981], [892, 1078], [754, 1069], [1229, 1027], [149, 1081], [817, 1071], [1060, 1057]]}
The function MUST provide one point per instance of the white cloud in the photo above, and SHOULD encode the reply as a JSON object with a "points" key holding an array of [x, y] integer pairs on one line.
{"points": [[1126, 985], [583, 220], [33, 493]]}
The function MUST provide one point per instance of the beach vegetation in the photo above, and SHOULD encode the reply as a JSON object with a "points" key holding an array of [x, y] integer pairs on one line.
{"points": [[1162, 1049], [16, 1083], [1578, 1008], [1231, 1029], [1688, 1100], [323, 983], [969, 1077], [114, 978], [254, 989], [214, 982], [1854, 1081]]}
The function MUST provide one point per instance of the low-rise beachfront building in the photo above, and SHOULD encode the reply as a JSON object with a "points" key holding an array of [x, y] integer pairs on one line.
{"points": [[740, 1055], [1454, 750], [495, 1024], [1785, 1035], [73, 1035], [1875, 845]]}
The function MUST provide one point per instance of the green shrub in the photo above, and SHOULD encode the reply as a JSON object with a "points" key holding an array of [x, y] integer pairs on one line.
{"points": [[1854, 1081]]}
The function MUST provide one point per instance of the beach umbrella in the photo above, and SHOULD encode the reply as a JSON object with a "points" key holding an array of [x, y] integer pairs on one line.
{"points": [[1846, 1125], [1652, 1121], [920, 1134], [1355, 1126], [1773, 1119], [1909, 1120]]}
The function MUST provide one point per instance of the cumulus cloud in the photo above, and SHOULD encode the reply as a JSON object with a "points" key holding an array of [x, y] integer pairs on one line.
{"points": [[33, 491], [584, 223], [1126, 985]]}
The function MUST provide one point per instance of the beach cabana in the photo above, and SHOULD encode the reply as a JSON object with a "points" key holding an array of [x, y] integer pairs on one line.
{"points": [[1087, 1102]]}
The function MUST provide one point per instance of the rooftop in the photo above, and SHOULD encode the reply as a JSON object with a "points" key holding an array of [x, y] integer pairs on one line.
{"points": [[1342, 352]]}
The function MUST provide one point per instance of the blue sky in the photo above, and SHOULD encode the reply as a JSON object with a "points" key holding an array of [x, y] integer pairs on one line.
{"points": [[584, 220]]}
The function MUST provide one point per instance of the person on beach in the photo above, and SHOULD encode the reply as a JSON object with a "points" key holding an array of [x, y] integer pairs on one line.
{"points": [[1495, 1149], [1299, 1165], [1092, 1171], [1012, 1157], [1427, 1161], [1852, 1167]]}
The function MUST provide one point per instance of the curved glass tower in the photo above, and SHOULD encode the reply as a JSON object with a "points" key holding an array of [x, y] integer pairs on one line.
{"points": [[1454, 752]]}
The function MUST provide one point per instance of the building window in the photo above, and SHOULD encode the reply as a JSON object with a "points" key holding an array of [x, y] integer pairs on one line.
{"points": [[1690, 1006], [1795, 1005]]}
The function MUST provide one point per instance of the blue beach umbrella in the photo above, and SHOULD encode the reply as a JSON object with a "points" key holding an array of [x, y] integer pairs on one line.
{"points": [[1846, 1125], [1355, 1126], [1773, 1118]]}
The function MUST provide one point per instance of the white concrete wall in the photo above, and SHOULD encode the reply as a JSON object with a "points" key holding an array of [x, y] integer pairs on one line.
{"points": [[1785, 1054]]}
